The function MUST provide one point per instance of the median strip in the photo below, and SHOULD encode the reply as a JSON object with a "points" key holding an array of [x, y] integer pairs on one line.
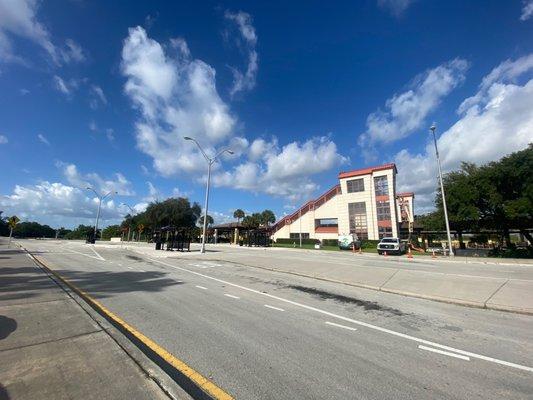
{"points": [[198, 386]]}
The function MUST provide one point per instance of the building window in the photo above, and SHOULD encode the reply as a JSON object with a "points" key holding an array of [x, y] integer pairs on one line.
{"points": [[384, 232], [297, 235], [381, 186], [383, 210], [326, 222], [355, 185], [358, 220]]}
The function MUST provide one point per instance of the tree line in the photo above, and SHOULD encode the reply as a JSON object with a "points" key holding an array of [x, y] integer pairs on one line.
{"points": [[497, 196]]}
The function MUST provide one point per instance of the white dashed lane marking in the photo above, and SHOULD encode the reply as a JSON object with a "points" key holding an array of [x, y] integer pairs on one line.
{"points": [[274, 308], [232, 296], [201, 287], [341, 326], [353, 321]]}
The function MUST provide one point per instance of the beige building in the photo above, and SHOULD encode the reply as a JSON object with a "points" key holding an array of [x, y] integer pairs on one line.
{"points": [[364, 202]]}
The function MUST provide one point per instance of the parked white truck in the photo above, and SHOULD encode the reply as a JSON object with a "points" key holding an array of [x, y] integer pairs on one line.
{"points": [[391, 246]]}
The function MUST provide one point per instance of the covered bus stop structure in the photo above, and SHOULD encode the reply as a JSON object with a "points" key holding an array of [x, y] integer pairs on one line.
{"points": [[237, 233]]}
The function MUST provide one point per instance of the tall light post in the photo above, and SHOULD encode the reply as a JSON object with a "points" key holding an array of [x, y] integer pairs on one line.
{"points": [[100, 199], [432, 129], [132, 214], [210, 162]]}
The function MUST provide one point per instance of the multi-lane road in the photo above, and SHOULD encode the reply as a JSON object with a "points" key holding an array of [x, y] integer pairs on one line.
{"points": [[261, 334]]}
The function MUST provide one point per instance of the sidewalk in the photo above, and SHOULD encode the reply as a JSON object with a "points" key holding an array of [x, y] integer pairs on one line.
{"points": [[497, 290], [50, 348]]}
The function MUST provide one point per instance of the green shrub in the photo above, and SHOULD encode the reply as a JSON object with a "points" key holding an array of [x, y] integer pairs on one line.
{"points": [[330, 242], [512, 253], [369, 244], [297, 241]]}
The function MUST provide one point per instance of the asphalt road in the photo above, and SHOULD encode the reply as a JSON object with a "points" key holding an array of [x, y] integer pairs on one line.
{"points": [[265, 335]]}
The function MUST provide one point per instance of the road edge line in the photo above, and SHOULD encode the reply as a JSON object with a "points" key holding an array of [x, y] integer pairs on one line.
{"points": [[195, 384]]}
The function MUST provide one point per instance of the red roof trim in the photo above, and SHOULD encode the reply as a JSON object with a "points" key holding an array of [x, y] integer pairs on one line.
{"points": [[295, 215], [367, 171], [406, 194]]}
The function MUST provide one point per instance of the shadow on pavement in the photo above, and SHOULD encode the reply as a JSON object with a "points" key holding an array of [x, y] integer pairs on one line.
{"points": [[104, 284], [7, 326], [11, 251], [20, 282]]}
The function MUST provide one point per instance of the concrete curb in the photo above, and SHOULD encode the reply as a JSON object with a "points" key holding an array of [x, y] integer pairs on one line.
{"points": [[196, 385], [448, 300]]}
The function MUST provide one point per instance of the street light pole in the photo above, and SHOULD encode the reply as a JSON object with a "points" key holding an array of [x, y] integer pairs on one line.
{"points": [[432, 128], [100, 199], [210, 162]]}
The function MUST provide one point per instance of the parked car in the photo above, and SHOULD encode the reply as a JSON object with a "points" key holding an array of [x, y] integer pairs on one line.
{"points": [[391, 246], [347, 242]]}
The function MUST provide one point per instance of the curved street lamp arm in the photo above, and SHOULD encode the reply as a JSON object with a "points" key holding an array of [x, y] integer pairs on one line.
{"points": [[111, 192], [94, 191], [222, 152], [200, 148]]}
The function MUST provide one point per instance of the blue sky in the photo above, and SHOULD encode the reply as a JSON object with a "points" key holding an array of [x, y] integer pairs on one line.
{"points": [[101, 94]]}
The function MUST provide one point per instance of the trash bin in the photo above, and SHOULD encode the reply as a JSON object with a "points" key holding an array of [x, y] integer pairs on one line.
{"points": [[158, 245]]}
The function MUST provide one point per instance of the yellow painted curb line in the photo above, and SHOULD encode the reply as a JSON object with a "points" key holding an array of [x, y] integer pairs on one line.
{"points": [[203, 383]]}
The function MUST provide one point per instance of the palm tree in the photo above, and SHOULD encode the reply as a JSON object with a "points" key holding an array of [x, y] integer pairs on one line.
{"points": [[238, 214], [210, 220], [268, 217]]}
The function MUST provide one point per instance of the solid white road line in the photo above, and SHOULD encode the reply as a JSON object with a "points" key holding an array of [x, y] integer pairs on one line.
{"points": [[99, 256], [232, 296], [274, 308], [341, 326], [354, 321], [446, 353], [201, 287], [86, 255]]}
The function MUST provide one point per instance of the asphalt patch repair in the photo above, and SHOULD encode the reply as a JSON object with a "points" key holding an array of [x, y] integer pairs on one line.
{"points": [[367, 305]]}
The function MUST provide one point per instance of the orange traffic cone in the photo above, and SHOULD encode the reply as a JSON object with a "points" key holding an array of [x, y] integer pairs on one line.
{"points": [[360, 250], [353, 248], [433, 254], [409, 254], [385, 254]]}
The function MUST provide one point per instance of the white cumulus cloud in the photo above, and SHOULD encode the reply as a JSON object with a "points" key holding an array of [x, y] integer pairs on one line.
{"points": [[244, 81], [407, 111], [97, 97], [43, 139], [527, 10], [3, 139], [58, 204], [19, 18], [176, 96], [120, 184], [284, 172], [494, 122]]}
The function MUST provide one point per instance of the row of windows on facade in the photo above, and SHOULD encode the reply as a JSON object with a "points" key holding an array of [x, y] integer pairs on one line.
{"points": [[361, 234], [358, 218], [381, 185]]}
